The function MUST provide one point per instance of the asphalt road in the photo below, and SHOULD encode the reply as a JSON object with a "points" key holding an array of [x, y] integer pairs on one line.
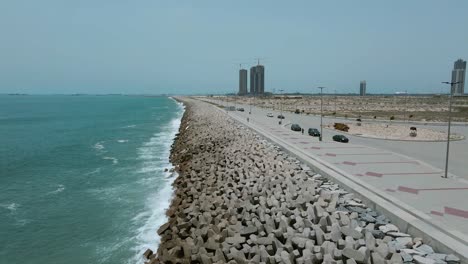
{"points": [[432, 153], [410, 172]]}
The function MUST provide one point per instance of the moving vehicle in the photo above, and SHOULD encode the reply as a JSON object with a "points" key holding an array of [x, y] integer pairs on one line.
{"points": [[240, 109], [413, 132], [340, 138], [296, 127], [270, 115], [314, 132], [281, 116]]}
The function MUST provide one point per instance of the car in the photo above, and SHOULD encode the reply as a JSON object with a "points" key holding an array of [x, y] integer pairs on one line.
{"points": [[313, 132], [240, 109], [340, 138], [270, 115], [296, 127], [281, 116]]}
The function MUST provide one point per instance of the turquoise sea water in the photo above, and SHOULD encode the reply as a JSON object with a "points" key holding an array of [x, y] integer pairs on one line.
{"points": [[82, 177]]}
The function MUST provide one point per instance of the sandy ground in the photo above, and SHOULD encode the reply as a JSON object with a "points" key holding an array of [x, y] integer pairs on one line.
{"points": [[400, 107], [396, 132]]}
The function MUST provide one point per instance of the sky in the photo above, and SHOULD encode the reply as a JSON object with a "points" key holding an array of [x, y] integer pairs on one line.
{"points": [[189, 47]]}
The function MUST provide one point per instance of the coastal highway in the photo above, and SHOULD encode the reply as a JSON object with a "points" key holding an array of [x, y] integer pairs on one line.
{"points": [[408, 171], [430, 152]]}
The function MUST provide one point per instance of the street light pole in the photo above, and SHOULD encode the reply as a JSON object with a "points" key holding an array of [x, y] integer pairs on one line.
{"points": [[281, 108], [227, 104], [449, 123], [321, 112], [335, 103], [406, 106], [254, 99], [235, 100]]}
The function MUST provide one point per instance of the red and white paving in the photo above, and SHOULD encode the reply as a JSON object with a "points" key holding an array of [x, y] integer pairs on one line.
{"points": [[411, 181]]}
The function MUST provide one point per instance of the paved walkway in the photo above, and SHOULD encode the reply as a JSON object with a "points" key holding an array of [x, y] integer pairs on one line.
{"points": [[410, 181]]}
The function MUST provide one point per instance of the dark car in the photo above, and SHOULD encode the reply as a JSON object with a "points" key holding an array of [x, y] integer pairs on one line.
{"points": [[340, 138], [314, 132], [296, 127], [281, 116], [240, 109]]}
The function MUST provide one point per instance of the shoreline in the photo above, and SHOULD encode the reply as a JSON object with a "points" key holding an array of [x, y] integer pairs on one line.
{"points": [[240, 199], [165, 195]]}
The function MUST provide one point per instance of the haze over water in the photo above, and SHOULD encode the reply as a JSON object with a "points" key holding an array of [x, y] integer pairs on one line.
{"points": [[82, 177]]}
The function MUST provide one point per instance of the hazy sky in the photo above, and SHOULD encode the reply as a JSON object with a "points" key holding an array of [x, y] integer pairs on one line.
{"points": [[151, 46]]}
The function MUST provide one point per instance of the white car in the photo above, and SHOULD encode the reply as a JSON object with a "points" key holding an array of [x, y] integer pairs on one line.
{"points": [[270, 115]]}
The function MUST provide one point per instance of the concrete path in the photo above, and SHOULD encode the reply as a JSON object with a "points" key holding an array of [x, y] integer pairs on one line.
{"points": [[386, 165], [430, 152]]}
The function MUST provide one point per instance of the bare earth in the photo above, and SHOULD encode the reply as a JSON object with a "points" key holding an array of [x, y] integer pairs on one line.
{"points": [[399, 107], [396, 132]]}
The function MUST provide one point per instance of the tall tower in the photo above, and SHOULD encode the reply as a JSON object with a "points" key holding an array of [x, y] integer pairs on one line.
{"points": [[362, 88], [458, 75], [252, 80], [261, 79], [257, 80], [242, 82]]}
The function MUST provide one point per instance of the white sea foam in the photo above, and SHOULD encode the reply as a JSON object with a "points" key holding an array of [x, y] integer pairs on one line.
{"points": [[12, 207], [122, 140], [149, 167], [93, 172], [147, 237], [129, 126], [105, 251], [114, 160], [60, 188], [22, 222], [99, 146], [155, 160]]}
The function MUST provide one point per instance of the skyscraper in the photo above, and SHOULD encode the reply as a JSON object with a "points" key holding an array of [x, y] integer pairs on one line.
{"points": [[257, 80], [252, 80], [260, 79], [242, 82], [362, 88], [458, 75]]}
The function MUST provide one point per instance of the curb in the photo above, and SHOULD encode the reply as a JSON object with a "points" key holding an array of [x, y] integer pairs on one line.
{"points": [[407, 218], [426, 123], [389, 139]]}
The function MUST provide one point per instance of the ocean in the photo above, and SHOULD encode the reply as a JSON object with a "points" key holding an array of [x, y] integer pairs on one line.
{"points": [[82, 178]]}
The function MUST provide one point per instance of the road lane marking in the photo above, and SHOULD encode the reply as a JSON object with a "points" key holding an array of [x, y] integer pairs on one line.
{"points": [[416, 191]]}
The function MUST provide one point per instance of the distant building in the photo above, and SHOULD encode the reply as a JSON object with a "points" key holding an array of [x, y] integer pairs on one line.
{"points": [[252, 80], [362, 88], [257, 80], [242, 82], [458, 75]]}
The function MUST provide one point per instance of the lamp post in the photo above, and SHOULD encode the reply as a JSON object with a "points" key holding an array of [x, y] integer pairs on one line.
{"points": [[254, 99], [335, 103], [223, 102], [281, 108], [449, 123], [406, 106], [234, 97], [321, 112]]}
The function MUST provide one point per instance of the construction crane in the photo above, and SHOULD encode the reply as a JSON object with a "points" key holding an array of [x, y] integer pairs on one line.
{"points": [[258, 60]]}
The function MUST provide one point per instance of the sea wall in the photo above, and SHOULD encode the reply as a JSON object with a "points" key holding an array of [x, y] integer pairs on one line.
{"points": [[240, 199]]}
